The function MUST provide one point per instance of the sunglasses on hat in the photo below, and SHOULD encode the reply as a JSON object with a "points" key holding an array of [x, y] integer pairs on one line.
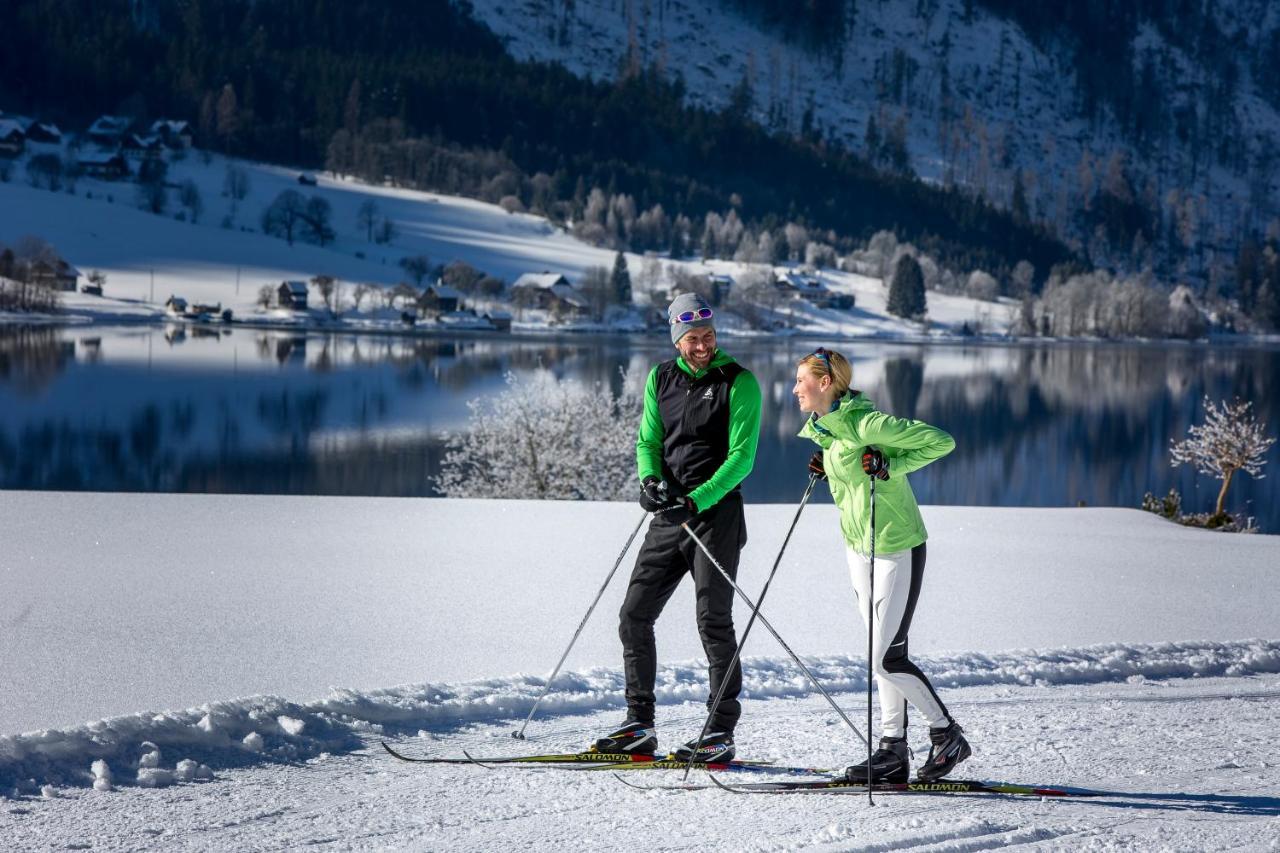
{"points": [[690, 316]]}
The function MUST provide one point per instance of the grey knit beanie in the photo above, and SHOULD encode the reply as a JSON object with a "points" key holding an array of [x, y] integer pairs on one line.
{"points": [[687, 303]]}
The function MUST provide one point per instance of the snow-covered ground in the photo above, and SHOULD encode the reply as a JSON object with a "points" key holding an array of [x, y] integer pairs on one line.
{"points": [[147, 258], [1098, 648]]}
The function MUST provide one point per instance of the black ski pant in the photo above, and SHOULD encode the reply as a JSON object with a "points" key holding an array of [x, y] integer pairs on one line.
{"points": [[668, 554]]}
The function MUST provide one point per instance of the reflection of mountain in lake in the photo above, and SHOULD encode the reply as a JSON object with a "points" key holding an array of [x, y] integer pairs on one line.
{"points": [[251, 411]]}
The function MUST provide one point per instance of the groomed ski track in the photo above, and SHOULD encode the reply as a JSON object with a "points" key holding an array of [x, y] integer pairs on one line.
{"points": [[1190, 760]]}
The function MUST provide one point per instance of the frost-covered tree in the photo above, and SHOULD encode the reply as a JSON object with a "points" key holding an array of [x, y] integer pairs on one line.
{"points": [[1230, 440], [982, 285], [548, 439]]}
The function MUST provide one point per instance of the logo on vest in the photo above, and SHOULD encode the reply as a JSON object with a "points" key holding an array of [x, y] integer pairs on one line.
{"points": [[708, 394]]}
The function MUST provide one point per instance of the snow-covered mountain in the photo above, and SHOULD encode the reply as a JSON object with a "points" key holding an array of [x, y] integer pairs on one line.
{"points": [[976, 100]]}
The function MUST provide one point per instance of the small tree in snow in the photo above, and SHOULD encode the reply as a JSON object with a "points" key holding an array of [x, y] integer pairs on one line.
{"points": [[1230, 440], [548, 439], [906, 292]]}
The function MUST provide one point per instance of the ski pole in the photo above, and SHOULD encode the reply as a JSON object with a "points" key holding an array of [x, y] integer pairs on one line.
{"points": [[724, 682], [765, 622], [519, 735], [871, 619]]}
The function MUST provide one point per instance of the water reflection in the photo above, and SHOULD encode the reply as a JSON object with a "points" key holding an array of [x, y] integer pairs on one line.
{"points": [[211, 409]]}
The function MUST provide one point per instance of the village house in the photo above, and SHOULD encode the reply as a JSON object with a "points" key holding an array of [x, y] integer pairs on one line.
{"points": [[549, 291], [721, 285], [59, 276], [175, 305], [292, 294], [107, 131], [107, 167], [12, 140], [811, 289], [173, 134], [500, 320], [45, 133], [136, 145], [440, 298]]}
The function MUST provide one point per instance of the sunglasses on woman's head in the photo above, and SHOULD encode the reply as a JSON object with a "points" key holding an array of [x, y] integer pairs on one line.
{"points": [[690, 316], [821, 352]]}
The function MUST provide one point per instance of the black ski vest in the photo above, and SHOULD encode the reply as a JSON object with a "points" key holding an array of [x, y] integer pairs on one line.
{"points": [[695, 423]]}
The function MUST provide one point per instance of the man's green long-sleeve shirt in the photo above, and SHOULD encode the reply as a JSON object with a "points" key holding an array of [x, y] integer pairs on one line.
{"points": [[744, 433]]}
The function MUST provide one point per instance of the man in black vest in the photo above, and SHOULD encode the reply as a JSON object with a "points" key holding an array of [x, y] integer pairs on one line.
{"points": [[697, 443]]}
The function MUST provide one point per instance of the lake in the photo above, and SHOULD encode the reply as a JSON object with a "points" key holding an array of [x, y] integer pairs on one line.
{"points": [[238, 410]]}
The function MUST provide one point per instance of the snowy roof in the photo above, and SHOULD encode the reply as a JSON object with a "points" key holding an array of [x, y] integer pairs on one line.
{"points": [[803, 282], [23, 122], [175, 126], [296, 287], [98, 159], [442, 291], [542, 280], [137, 140], [110, 124], [8, 127], [497, 315], [568, 293], [176, 302]]}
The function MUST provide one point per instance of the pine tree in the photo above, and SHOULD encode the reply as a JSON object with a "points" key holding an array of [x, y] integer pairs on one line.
{"points": [[906, 292], [620, 280]]}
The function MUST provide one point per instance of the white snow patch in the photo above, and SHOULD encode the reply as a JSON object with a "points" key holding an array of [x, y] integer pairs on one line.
{"points": [[291, 725]]}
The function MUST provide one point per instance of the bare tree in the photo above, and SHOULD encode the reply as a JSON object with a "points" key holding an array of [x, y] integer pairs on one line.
{"points": [[416, 267], [367, 217], [362, 290], [598, 291], [315, 220], [1230, 440], [386, 232], [284, 216], [189, 197], [235, 183], [44, 171], [265, 294], [404, 292], [328, 287]]}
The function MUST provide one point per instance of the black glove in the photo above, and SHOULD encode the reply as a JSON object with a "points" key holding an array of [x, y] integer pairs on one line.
{"points": [[680, 511], [815, 465], [875, 464], [653, 495]]}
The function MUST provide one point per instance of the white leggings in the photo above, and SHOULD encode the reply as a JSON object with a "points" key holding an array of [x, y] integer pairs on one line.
{"points": [[898, 579]]}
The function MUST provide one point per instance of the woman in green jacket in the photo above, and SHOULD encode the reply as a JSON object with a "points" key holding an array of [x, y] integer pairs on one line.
{"points": [[858, 443]]}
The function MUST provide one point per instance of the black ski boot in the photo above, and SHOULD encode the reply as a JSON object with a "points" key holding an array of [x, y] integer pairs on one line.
{"points": [[716, 748], [890, 763], [632, 737], [948, 749]]}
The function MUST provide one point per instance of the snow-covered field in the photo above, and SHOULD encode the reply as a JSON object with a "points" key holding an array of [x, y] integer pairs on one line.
{"points": [[148, 258], [1097, 648]]}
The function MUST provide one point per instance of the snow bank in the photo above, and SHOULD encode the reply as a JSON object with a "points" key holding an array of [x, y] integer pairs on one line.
{"points": [[157, 749]]}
